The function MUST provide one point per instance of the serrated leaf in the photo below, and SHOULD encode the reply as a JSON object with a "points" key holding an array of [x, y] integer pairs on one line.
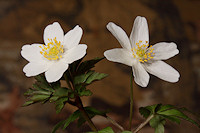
{"points": [[42, 86], [38, 98], [40, 78], [172, 118], [27, 103], [153, 108], [85, 93], [156, 120], [82, 78], [91, 112], [72, 118], [56, 85], [144, 112], [105, 130], [74, 65], [29, 92], [177, 113], [95, 76], [165, 107], [160, 128], [57, 126], [60, 104], [42, 92], [87, 65], [61, 92], [53, 98]]}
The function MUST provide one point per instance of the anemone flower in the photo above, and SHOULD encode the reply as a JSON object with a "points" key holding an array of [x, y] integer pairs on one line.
{"points": [[54, 56], [142, 57]]}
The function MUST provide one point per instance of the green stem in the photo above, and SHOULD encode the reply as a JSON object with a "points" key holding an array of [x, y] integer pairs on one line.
{"points": [[84, 114], [143, 124], [131, 103]]}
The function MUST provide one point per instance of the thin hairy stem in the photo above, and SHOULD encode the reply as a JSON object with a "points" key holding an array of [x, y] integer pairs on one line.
{"points": [[143, 124], [131, 102]]}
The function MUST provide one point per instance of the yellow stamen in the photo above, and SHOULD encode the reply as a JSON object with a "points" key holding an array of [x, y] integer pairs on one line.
{"points": [[143, 52], [53, 50]]}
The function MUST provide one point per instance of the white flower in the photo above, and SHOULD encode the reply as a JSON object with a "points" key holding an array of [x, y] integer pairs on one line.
{"points": [[137, 53], [54, 56]]}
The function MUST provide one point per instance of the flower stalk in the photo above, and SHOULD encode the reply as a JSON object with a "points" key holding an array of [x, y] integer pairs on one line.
{"points": [[143, 124], [114, 123], [131, 102], [84, 113]]}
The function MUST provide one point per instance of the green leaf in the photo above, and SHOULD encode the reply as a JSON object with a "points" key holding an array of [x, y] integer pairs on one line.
{"points": [[27, 103], [60, 104], [144, 112], [160, 128], [74, 65], [165, 107], [29, 92], [105, 130], [61, 92], [85, 93], [95, 76], [153, 108], [178, 113], [87, 65], [57, 126], [157, 122], [72, 118], [38, 98], [41, 78], [82, 78], [56, 85], [172, 118], [91, 112]]}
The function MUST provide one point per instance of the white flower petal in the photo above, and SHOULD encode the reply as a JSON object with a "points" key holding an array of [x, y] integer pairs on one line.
{"points": [[141, 77], [120, 35], [73, 37], [52, 31], [120, 55], [32, 53], [33, 69], [74, 54], [140, 31], [163, 71], [55, 72], [164, 50]]}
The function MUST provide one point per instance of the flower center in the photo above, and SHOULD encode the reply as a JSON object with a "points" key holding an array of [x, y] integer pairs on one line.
{"points": [[143, 52], [53, 50]]}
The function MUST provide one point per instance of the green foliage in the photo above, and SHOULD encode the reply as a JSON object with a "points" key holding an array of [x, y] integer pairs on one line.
{"points": [[157, 122], [87, 65], [91, 112], [57, 126], [77, 115], [78, 76], [72, 118], [89, 77], [105, 130], [41, 92], [162, 113]]}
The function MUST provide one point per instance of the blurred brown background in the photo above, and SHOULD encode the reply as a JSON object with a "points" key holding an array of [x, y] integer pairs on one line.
{"points": [[23, 21]]}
